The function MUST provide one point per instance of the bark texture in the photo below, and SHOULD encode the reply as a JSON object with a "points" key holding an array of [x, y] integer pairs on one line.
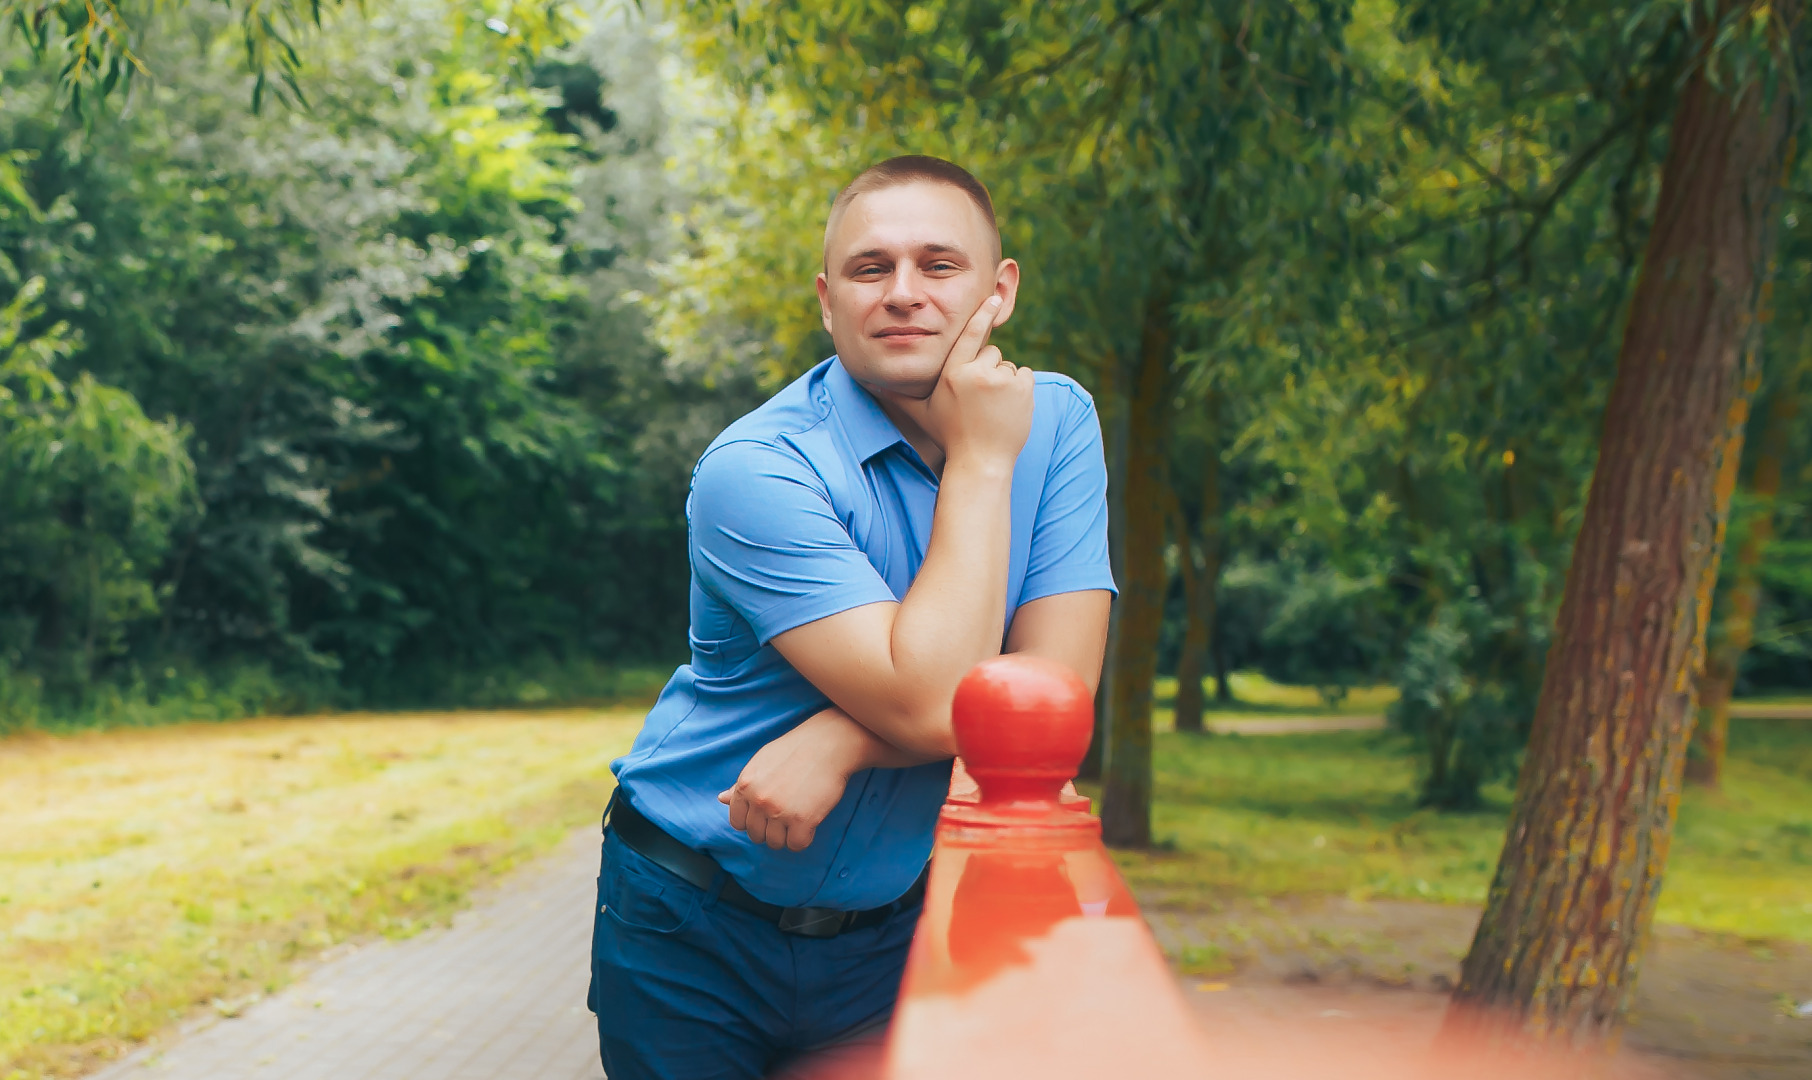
{"points": [[1201, 591], [1110, 405], [1126, 767], [1705, 761], [1557, 951]]}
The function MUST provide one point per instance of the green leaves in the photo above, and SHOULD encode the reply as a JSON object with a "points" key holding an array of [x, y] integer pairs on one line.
{"points": [[418, 425], [98, 48], [94, 490]]}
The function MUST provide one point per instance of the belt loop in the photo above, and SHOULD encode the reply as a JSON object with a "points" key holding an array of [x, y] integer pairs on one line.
{"points": [[718, 882], [609, 806]]}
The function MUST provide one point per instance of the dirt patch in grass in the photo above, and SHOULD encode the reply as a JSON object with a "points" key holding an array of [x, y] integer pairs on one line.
{"points": [[1708, 1006], [1298, 885], [146, 874]]}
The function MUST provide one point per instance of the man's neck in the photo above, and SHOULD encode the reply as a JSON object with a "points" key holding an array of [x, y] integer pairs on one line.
{"points": [[928, 449]]}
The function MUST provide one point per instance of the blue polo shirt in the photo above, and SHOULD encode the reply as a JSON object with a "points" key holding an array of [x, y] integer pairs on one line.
{"points": [[811, 505]]}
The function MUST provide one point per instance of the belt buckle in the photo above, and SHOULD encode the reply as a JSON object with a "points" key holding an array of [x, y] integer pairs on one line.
{"points": [[812, 922]]}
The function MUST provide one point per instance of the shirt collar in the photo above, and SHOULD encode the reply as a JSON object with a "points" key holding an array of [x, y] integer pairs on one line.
{"points": [[868, 428]]}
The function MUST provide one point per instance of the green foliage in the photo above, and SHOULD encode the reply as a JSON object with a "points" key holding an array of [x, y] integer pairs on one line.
{"points": [[1455, 697], [439, 348], [98, 48], [416, 432], [1306, 626], [94, 491]]}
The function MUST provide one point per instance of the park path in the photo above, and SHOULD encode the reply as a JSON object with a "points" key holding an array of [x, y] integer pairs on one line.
{"points": [[498, 995], [1262, 724]]}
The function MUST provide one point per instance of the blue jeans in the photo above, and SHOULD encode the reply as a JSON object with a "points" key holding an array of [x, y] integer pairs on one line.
{"points": [[686, 988]]}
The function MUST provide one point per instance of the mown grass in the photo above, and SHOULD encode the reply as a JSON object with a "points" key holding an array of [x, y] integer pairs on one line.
{"points": [[1335, 813], [1255, 695], [180, 693], [144, 874]]}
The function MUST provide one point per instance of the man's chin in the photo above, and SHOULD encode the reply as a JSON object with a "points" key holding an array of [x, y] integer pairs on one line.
{"points": [[910, 377]]}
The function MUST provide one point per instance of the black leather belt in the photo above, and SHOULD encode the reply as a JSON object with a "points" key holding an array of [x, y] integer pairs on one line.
{"points": [[696, 868]]}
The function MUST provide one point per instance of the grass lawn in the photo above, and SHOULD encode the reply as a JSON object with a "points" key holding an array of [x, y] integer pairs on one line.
{"points": [[1335, 813], [145, 873], [1255, 695]]}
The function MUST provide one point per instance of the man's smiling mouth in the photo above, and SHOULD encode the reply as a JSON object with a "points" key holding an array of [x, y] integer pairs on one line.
{"points": [[905, 331]]}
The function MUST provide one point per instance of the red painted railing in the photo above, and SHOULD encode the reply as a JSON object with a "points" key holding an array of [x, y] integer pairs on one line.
{"points": [[1031, 958]]}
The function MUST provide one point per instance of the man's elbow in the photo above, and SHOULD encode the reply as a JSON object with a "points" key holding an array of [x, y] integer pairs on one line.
{"points": [[920, 729]]}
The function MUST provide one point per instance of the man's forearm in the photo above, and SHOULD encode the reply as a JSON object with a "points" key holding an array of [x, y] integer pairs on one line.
{"points": [[894, 667], [954, 615], [857, 746]]}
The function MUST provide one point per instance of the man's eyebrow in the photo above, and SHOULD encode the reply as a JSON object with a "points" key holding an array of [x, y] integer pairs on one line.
{"points": [[928, 249]]}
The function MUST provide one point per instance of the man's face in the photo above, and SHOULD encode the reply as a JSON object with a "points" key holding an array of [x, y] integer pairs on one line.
{"points": [[904, 269]]}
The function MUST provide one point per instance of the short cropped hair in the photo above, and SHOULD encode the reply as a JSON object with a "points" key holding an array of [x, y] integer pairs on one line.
{"points": [[909, 168]]}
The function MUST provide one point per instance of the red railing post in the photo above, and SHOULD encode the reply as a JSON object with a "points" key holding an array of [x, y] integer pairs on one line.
{"points": [[1031, 958]]}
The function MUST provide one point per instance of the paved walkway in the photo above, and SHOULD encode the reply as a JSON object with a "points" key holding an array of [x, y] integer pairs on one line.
{"points": [[1300, 725], [1290, 725], [499, 995], [1763, 710]]}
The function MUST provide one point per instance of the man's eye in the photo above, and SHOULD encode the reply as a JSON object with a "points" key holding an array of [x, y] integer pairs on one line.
{"points": [[941, 267], [870, 271]]}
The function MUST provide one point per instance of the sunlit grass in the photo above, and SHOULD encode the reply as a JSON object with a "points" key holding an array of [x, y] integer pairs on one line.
{"points": [[1255, 695], [145, 873], [1335, 813]]}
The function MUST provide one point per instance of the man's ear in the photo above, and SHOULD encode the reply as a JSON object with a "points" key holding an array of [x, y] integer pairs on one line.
{"points": [[824, 301], [1006, 286]]}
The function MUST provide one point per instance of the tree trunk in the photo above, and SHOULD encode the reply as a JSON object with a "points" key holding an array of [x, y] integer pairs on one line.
{"points": [[1705, 762], [1126, 780], [1201, 591], [1187, 709], [1557, 951], [1110, 405]]}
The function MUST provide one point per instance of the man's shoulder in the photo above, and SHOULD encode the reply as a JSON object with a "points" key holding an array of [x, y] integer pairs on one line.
{"points": [[769, 428], [1068, 408], [1064, 392]]}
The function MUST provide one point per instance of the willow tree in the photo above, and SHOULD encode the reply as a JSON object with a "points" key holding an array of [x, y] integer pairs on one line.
{"points": [[1556, 953], [1135, 151], [101, 48]]}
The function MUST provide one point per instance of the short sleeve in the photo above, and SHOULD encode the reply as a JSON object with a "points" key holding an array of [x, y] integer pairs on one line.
{"points": [[766, 541], [1069, 538]]}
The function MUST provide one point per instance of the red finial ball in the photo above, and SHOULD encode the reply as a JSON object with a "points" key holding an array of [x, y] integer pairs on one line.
{"points": [[1022, 725]]}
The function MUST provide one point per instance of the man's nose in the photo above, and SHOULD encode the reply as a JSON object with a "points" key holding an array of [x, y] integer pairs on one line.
{"points": [[905, 289]]}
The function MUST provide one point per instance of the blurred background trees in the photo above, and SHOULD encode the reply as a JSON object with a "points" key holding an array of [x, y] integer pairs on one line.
{"points": [[360, 355], [403, 357], [349, 401]]}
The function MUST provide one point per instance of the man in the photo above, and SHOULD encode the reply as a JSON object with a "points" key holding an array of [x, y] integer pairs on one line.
{"points": [[904, 510]]}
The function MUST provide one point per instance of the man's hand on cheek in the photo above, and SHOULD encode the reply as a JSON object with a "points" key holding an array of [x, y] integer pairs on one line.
{"points": [[981, 408], [794, 782]]}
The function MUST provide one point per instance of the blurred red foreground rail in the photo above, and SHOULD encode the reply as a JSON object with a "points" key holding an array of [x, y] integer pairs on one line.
{"points": [[1031, 958]]}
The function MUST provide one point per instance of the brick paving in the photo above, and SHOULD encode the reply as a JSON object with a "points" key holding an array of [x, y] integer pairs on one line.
{"points": [[499, 995]]}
